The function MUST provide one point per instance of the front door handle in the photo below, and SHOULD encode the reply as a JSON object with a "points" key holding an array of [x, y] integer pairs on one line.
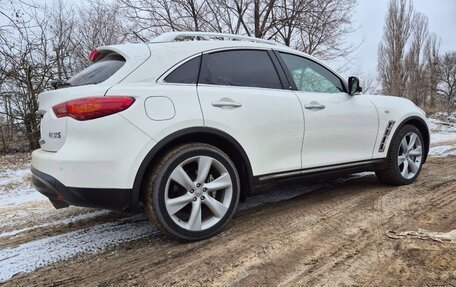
{"points": [[221, 104], [314, 105]]}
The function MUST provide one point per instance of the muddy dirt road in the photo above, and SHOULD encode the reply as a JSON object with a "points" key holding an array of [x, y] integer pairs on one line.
{"points": [[332, 234]]}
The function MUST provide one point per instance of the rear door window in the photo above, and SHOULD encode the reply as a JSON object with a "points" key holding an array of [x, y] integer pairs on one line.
{"points": [[244, 68], [98, 72]]}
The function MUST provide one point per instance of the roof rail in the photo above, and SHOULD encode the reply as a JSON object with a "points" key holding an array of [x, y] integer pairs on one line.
{"points": [[179, 36]]}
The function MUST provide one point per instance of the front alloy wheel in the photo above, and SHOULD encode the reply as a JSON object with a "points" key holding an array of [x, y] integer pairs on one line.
{"points": [[193, 192], [405, 157], [409, 155]]}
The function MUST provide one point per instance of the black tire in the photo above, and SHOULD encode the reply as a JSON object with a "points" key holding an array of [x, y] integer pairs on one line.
{"points": [[391, 174], [154, 197]]}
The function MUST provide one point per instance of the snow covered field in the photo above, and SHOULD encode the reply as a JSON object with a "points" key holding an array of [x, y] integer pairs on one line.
{"points": [[443, 134], [34, 234]]}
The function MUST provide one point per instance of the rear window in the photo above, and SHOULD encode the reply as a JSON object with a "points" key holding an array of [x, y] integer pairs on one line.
{"points": [[98, 72]]}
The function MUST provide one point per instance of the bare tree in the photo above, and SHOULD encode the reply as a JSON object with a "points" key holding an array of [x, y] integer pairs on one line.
{"points": [[415, 60], [62, 29], [99, 24], [317, 27], [409, 55], [370, 84], [392, 50], [28, 67], [153, 17], [447, 76], [431, 53], [39, 45], [322, 27]]}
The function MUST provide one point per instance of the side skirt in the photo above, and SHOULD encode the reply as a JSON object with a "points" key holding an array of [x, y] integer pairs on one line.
{"points": [[267, 181]]}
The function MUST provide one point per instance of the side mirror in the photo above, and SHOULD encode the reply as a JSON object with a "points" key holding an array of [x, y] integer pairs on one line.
{"points": [[353, 85]]}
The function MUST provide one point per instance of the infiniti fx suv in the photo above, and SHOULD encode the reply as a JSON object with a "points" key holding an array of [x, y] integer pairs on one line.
{"points": [[190, 123]]}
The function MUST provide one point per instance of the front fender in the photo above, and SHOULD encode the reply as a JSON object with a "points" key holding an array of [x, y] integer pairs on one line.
{"points": [[401, 111]]}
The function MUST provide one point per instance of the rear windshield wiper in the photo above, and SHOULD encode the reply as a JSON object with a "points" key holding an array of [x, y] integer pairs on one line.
{"points": [[60, 84]]}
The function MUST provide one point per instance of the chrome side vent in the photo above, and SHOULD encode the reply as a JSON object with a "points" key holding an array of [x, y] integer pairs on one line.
{"points": [[388, 129]]}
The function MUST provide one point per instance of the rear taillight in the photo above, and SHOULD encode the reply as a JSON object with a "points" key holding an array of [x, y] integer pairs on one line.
{"points": [[92, 108]]}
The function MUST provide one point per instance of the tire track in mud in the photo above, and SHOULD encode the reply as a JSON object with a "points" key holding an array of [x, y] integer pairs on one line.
{"points": [[355, 255], [306, 256], [88, 222], [282, 244], [332, 236], [82, 225], [315, 219], [57, 227], [254, 231], [417, 209]]}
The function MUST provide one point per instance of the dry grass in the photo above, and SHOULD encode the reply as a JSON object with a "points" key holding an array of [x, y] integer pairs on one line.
{"points": [[431, 111], [14, 161]]}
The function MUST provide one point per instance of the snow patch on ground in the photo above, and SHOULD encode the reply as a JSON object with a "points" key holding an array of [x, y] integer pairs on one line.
{"points": [[13, 175], [18, 197], [16, 188], [443, 150], [31, 255], [443, 134], [64, 221]]}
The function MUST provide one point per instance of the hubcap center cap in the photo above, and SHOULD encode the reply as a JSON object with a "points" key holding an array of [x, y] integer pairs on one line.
{"points": [[198, 192]]}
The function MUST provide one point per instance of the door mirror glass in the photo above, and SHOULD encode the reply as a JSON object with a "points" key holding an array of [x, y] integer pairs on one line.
{"points": [[353, 85]]}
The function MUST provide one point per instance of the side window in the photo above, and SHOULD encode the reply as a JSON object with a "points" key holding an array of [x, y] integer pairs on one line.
{"points": [[187, 73], [310, 76], [245, 68]]}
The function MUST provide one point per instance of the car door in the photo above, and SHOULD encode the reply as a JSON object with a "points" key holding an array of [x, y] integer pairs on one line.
{"points": [[242, 94], [339, 128]]}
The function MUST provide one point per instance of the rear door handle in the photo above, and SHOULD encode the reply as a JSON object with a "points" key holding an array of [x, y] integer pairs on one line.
{"points": [[221, 104], [314, 105]]}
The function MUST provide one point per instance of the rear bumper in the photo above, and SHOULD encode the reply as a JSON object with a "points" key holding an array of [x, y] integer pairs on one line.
{"points": [[62, 196]]}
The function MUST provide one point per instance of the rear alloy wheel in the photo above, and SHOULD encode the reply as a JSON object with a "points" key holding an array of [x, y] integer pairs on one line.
{"points": [[193, 192], [405, 157]]}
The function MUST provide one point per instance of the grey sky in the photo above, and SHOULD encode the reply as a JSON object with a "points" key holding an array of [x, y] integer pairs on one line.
{"points": [[370, 17]]}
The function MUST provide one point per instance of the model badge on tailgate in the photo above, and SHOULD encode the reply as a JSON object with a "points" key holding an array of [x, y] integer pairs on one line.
{"points": [[55, 135]]}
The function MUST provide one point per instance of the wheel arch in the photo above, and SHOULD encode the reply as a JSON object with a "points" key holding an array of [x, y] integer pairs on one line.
{"points": [[211, 136], [421, 125]]}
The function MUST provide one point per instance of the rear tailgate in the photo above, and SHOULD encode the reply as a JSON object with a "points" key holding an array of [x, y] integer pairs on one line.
{"points": [[53, 129]]}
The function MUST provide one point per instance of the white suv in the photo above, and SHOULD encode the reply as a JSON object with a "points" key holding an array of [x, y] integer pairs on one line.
{"points": [[190, 123]]}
